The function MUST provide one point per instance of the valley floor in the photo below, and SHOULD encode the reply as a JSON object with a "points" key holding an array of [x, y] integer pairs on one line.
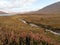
{"points": [[13, 26]]}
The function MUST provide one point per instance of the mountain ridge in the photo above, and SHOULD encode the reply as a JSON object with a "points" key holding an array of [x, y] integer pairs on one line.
{"points": [[50, 9]]}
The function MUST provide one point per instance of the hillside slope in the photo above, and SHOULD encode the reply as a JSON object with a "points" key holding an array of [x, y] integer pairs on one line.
{"points": [[1, 12], [51, 9]]}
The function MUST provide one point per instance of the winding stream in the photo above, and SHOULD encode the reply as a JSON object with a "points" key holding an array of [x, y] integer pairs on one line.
{"points": [[55, 31]]}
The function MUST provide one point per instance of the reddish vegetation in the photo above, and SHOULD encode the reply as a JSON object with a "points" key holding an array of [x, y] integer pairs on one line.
{"points": [[17, 39]]}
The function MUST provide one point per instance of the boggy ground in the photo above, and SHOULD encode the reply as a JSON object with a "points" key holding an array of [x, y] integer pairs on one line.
{"points": [[11, 31]]}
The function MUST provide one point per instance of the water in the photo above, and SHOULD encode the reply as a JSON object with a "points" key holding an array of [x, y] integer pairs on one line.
{"points": [[23, 21], [6, 14], [33, 25], [56, 32]]}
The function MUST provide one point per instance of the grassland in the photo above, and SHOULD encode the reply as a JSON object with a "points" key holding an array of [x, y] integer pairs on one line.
{"points": [[12, 23]]}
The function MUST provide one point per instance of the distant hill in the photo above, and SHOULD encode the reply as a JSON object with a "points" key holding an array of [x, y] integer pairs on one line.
{"points": [[51, 9], [1, 12]]}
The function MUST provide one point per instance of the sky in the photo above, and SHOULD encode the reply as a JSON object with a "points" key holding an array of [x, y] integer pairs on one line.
{"points": [[24, 5]]}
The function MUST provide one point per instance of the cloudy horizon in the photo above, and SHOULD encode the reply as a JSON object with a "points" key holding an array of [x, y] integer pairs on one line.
{"points": [[24, 5]]}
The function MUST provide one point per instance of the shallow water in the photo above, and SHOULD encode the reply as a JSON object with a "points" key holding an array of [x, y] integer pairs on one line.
{"points": [[6, 14], [56, 32]]}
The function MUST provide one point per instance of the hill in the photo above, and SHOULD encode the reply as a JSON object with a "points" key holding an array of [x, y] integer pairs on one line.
{"points": [[51, 9], [1, 12]]}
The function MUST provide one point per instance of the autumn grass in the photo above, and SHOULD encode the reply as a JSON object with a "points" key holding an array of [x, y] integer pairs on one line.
{"points": [[9, 24]]}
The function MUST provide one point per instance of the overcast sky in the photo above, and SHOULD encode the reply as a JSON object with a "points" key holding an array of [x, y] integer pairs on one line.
{"points": [[24, 5]]}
